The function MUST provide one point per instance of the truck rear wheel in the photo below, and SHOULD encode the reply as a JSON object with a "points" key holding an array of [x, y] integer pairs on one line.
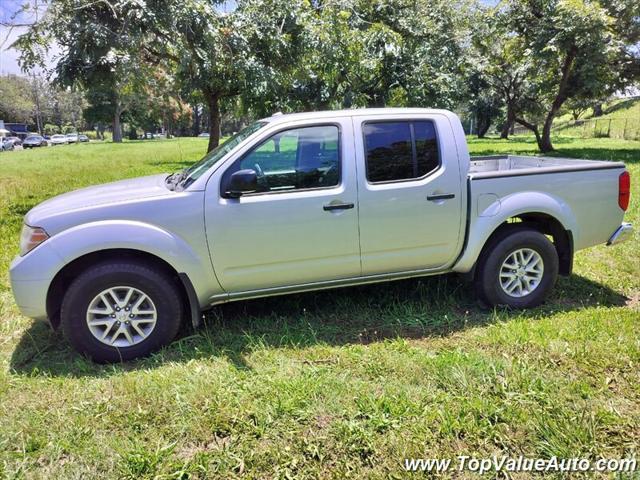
{"points": [[518, 269], [115, 312]]}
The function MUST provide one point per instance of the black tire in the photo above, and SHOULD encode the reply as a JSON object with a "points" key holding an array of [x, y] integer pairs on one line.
{"points": [[159, 287], [512, 238]]}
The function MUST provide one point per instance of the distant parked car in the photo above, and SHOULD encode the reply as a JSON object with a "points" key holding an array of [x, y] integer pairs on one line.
{"points": [[204, 134], [34, 141], [83, 138], [58, 139], [5, 144], [17, 141], [72, 137]]}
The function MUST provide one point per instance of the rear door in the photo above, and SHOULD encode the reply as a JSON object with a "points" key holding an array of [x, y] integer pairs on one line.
{"points": [[409, 184]]}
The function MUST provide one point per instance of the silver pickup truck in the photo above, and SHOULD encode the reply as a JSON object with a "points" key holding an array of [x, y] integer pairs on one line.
{"points": [[305, 202]]}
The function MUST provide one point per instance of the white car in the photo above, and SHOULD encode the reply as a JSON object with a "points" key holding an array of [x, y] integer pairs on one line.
{"points": [[58, 139], [72, 138]]}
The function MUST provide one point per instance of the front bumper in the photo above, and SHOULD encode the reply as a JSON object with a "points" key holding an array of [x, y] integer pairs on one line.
{"points": [[623, 233], [31, 277]]}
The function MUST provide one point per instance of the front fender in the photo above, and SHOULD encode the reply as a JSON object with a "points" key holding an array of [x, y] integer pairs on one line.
{"points": [[485, 220], [83, 239]]}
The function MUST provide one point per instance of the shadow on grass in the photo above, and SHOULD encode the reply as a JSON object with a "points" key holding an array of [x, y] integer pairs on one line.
{"points": [[418, 308]]}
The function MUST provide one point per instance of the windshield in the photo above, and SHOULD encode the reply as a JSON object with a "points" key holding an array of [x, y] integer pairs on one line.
{"points": [[210, 159]]}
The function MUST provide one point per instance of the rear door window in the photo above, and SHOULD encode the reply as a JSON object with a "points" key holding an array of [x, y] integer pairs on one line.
{"points": [[400, 150]]}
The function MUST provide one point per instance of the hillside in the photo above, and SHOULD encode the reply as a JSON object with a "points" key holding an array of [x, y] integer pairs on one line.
{"points": [[620, 119]]}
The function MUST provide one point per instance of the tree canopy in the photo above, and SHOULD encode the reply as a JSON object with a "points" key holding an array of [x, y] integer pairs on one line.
{"points": [[178, 61]]}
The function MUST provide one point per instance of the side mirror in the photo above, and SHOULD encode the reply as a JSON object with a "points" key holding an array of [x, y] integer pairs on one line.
{"points": [[241, 182]]}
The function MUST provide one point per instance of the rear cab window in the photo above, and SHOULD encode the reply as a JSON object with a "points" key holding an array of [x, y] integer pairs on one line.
{"points": [[400, 150]]}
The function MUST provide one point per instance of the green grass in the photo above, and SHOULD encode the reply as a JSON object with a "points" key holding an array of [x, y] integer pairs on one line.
{"points": [[618, 108], [334, 384]]}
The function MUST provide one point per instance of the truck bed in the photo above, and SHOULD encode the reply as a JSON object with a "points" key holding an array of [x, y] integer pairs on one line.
{"points": [[515, 165], [581, 194]]}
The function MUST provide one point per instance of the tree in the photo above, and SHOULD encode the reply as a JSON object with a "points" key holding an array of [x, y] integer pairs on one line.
{"points": [[484, 102], [577, 106], [100, 41], [496, 59], [16, 100], [364, 54], [568, 49], [249, 51]]}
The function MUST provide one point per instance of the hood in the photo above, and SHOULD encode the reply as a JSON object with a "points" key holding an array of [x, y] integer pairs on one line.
{"points": [[110, 193]]}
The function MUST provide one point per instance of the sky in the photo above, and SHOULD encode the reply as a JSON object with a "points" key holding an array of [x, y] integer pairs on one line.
{"points": [[9, 56]]}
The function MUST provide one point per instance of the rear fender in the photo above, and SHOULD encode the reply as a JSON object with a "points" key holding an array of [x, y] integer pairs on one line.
{"points": [[483, 223]]}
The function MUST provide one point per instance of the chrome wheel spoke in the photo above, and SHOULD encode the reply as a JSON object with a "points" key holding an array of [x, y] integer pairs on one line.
{"points": [[115, 335], [136, 306], [521, 272], [121, 316], [114, 296], [125, 331], [106, 302], [511, 286], [127, 297], [101, 321], [106, 331], [136, 327]]}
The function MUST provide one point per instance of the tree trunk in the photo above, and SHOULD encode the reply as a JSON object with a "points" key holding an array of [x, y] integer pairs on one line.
{"points": [[534, 129], [597, 110], [117, 128], [213, 102], [484, 122], [511, 119], [196, 120], [544, 143]]}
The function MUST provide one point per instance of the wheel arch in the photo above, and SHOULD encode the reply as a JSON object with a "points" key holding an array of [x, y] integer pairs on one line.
{"points": [[547, 224], [71, 270]]}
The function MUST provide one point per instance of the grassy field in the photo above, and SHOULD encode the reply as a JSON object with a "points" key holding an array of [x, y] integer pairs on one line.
{"points": [[337, 384], [620, 119]]}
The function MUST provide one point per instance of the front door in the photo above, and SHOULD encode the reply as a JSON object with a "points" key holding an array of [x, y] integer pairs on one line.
{"points": [[410, 193], [301, 225]]}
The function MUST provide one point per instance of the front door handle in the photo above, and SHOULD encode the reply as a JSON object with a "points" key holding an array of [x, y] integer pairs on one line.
{"points": [[442, 196], [337, 206]]}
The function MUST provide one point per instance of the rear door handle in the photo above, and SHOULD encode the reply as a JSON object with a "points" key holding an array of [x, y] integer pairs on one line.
{"points": [[337, 206], [442, 196]]}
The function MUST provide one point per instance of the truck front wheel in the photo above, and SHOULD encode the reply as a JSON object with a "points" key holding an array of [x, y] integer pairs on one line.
{"points": [[518, 268], [119, 311]]}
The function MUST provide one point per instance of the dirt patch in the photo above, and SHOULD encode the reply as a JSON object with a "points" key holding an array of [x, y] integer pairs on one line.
{"points": [[634, 301]]}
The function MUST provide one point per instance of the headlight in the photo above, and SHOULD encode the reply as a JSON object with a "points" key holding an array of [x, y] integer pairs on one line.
{"points": [[30, 238]]}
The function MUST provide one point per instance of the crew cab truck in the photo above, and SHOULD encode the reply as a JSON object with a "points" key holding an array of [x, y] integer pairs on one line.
{"points": [[304, 202]]}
